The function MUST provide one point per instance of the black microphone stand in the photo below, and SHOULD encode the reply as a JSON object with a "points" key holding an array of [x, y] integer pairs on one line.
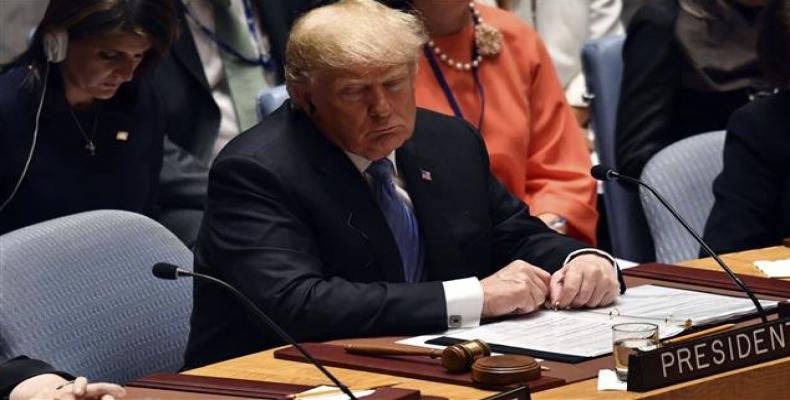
{"points": [[614, 174], [269, 323]]}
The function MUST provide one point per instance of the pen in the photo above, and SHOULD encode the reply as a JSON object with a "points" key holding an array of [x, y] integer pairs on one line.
{"points": [[704, 332], [334, 390]]}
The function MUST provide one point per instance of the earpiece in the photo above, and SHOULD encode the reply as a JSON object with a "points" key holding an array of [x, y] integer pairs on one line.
{"points": [[32, 143], [55, 45]]}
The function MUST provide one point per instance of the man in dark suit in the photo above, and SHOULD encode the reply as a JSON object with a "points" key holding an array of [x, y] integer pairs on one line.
{"points": [[301, 218], [188, 90]]}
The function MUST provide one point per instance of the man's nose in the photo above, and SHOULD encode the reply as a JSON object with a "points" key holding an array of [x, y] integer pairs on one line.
{"points": [[379, 103]]}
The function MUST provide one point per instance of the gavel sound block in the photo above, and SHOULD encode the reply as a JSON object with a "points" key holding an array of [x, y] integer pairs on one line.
{"points": [[474, 355]]}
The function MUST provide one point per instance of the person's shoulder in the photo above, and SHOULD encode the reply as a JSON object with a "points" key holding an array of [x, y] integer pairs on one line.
{"points": [[270, 139], [443, 128], [764, 117], [763, 127], [12, 87]]}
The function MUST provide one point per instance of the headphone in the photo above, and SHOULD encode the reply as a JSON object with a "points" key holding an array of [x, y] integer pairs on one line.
{"points": [[55, 45]]}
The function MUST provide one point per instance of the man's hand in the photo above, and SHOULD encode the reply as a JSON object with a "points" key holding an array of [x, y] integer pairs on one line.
{"points": [[53, 387], [518, 288], [587, 280]]}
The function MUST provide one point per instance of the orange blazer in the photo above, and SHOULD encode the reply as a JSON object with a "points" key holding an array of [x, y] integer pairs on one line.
{"points": [[535, 145]]}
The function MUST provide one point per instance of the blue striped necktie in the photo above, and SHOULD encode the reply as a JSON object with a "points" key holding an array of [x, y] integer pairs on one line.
{"points": [[400, 218]]}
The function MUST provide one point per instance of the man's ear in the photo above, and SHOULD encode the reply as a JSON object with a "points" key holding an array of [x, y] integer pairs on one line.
{"points": [[301, 97]]}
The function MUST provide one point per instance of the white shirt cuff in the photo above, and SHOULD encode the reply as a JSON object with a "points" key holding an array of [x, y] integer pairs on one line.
{"points": [[464, 300], [590, 251]]}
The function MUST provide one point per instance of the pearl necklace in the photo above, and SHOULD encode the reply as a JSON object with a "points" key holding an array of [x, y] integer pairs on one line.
{"points": [[488, 42]]}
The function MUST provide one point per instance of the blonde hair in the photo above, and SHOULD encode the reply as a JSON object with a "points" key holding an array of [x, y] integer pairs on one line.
{"points": [[352, 33]]}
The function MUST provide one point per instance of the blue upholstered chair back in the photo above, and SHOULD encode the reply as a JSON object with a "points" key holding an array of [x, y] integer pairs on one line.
{"points": [[270, 99], [78, 293], [683, 173], [603, 68]]}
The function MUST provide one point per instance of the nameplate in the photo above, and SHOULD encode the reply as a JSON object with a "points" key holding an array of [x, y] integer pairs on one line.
{"points": [[709, 355]]}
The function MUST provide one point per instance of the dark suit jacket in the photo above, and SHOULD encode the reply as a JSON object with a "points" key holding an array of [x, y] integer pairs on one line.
{"points": [[293, 224], [16, 370], [192, 117], [655, 109], [752, 207]]}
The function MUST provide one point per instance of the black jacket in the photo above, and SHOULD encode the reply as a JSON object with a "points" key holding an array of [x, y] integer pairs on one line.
{"points": [[655, 109], [63, 178], [293, 224], [16, 370], [752, 207]]}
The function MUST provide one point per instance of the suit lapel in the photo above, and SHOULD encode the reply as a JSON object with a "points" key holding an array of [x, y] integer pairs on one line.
{"points": [[423, 181], [353, 195]]}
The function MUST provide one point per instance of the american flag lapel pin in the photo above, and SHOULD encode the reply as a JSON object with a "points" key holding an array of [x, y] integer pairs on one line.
{"points": [[425, 175]]}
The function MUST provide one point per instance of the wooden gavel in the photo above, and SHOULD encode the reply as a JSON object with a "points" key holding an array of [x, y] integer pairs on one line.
{"points": [[455, 358]]}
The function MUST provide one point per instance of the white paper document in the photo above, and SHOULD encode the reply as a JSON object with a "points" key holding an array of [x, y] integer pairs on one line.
{"points": [[588, 333]]}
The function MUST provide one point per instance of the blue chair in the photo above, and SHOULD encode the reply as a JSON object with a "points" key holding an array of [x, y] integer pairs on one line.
{"points": [[270, 99], [603, 66], [683, 173], [78, 292]]}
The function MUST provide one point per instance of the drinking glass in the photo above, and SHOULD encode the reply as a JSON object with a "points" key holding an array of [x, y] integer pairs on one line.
{"points": [[629, 338]]}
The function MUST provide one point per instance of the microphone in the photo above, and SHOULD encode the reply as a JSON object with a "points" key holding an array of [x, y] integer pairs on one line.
{"points": [[163, 270], [605, 173]]}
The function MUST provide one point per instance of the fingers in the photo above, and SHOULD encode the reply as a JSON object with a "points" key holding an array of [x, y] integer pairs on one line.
{"points": [[587, 281], [539, 279], [536, 296], [609, 298], [517, 288], [101, 389], [79, 386], [598, 294], [555, 288], [571, 284]]}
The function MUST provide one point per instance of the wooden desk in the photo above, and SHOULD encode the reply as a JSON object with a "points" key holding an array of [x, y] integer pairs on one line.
{"points": [[742, 262], [263, 365]]}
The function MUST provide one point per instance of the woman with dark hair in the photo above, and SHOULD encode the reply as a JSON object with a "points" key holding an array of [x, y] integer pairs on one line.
{"points": [[752, 207], [687, 66], [79, 129]]}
